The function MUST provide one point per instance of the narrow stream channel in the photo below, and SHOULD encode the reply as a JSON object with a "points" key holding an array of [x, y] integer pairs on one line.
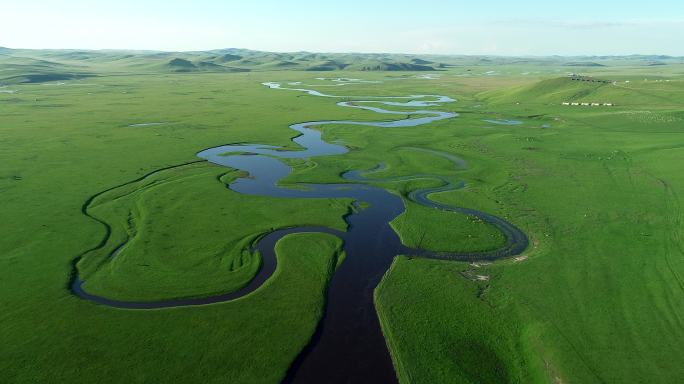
{"points": [[348, 345]]}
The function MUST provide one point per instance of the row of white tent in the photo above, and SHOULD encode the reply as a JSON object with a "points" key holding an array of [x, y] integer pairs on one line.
{"points": [[588, 104]]}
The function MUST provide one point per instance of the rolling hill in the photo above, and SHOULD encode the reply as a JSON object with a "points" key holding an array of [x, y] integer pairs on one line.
{"points": [[30, 66]]}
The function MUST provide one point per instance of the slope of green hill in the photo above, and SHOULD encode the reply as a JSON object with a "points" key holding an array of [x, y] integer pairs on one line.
{"points": [[566, 90], [556, 90], [181, 65]]}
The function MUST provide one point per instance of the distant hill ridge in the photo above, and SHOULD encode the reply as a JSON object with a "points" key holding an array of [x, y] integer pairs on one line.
{"points": [[24, 65]]}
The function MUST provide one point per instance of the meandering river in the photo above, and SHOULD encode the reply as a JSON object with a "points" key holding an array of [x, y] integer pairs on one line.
{"points": [[348, 345]]}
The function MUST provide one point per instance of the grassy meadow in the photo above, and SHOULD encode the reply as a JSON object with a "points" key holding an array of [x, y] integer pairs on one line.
{"points": [[597, 298]]}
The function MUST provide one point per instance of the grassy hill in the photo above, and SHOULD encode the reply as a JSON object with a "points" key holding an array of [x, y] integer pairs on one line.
{"points": [[653, 93], [31, 66], [550, 91]]}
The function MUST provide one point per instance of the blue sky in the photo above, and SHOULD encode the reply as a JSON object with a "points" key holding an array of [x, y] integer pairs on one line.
{"points": [[522, 27]]}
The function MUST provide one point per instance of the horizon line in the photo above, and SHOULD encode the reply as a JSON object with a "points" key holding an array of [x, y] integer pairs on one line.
{"points": [[341, 52]]}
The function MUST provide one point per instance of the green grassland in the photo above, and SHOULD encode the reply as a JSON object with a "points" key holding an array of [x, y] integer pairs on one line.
{"points": [[598, 297], [170, 226], [417, 303], [597, 192]]}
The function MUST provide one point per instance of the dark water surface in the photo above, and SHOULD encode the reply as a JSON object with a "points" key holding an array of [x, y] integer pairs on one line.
{"points": [[348, 345]]}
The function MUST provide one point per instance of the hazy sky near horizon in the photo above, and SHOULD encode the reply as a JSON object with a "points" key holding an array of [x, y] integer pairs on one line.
{"points": [[523, 27]]}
